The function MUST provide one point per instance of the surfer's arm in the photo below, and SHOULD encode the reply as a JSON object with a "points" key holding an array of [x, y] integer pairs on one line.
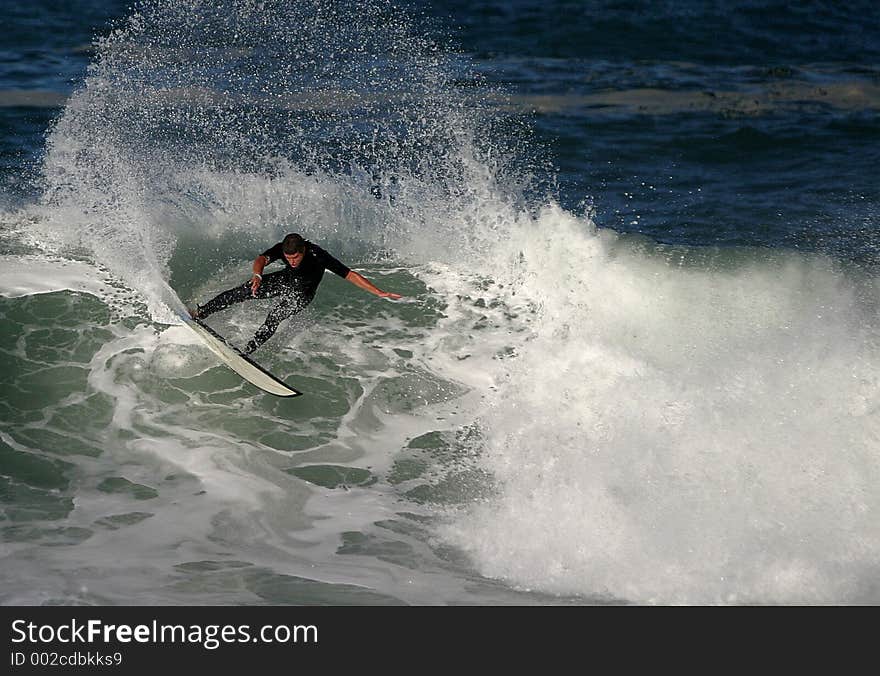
{"points": [[260, 262], [362, 282]]}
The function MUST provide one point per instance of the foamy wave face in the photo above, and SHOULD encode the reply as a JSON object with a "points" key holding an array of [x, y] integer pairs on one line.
{"points": [[681, 431]]}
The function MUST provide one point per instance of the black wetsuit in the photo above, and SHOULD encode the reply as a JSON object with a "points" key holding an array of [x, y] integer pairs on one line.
{"points": [[295, 285]]}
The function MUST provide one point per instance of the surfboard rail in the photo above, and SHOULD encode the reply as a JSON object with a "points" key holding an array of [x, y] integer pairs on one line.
{"points": [[248, 369]]}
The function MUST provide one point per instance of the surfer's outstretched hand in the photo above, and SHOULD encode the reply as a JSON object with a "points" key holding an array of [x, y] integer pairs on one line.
{"points": [[255, 284], [362, 282]]}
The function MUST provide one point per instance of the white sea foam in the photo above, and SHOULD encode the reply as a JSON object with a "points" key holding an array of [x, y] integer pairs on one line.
{"points": [[28, 274], [677, 432]]}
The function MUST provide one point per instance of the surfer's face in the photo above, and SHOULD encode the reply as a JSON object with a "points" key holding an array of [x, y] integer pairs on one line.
{"points": [[295, 258]]}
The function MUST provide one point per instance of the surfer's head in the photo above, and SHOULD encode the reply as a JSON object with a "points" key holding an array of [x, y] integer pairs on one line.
{"points": [[294, 248], [293, 243]]}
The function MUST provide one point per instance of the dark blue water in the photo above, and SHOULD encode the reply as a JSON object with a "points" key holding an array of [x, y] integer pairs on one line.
{"points": [[716, 33], [783, 161]]}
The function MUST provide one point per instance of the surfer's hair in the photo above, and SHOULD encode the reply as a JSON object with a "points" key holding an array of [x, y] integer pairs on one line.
{"points": [[293, 244]]}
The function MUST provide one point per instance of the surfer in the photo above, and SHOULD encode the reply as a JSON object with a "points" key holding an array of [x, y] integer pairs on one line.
{"points": [[304, 265]]}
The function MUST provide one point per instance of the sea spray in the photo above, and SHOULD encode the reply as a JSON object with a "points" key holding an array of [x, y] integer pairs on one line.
{"points": [[227, 125]]}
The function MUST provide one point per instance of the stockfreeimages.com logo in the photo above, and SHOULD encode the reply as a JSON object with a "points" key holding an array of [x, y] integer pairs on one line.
{"points": [[209, 636]]}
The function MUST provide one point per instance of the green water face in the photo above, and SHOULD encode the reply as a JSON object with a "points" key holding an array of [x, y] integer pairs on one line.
{"points": [[126, 445], [50, 418]]}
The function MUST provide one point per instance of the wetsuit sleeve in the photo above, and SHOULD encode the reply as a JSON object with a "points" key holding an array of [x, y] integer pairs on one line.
{"points": [[274, 253], [332, 264]]}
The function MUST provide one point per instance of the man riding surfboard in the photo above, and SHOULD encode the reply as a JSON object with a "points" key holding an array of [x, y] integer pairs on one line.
{"points": [[295, 285]]}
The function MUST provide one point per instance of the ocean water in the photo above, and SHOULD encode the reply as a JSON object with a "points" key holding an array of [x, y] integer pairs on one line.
{"points": [[638, 359]]}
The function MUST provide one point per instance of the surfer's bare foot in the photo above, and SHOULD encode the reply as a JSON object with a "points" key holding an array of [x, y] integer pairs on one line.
{"points": [[194, 313]]}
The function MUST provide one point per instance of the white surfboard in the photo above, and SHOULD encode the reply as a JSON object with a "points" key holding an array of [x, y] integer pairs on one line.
{"points": [[238, 362]]}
